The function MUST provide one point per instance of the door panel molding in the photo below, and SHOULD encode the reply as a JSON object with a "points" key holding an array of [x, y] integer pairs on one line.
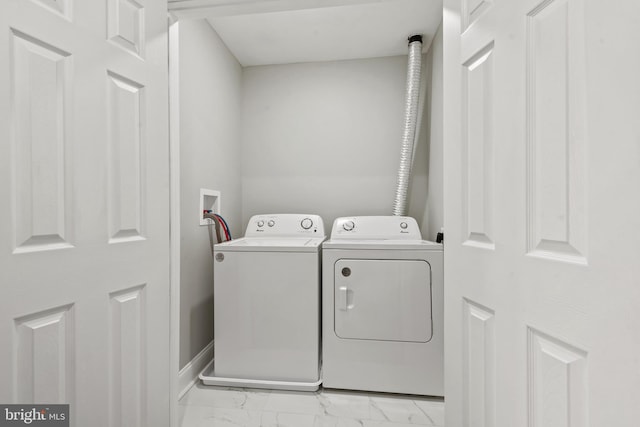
{"points": [[127, 159], [557, 135], [557, 374], [40, 105], [477, 148], [44, 354], [128, 352], [479, 374], [126, 22]]}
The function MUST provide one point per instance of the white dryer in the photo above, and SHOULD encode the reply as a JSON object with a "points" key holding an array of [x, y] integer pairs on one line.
{"points": [[267, 305], [382, 307]]}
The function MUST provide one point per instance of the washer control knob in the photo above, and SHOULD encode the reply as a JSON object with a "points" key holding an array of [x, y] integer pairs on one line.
{"points": [[271, 223], [349, 225], [403, 225], [306, 223], [261, 223]]}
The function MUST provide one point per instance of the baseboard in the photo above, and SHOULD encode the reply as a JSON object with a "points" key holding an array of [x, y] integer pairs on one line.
{"points": [[188, 375]]}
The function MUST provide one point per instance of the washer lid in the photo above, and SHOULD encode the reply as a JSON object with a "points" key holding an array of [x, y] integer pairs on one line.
{"points": [[271, 244]]}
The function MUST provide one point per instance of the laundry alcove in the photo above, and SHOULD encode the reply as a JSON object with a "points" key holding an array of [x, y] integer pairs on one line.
{"points": [[287, 106]]}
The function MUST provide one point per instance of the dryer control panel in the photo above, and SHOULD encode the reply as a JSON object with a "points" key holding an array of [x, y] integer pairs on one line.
{"points": [[285, 225], [376, 228]]}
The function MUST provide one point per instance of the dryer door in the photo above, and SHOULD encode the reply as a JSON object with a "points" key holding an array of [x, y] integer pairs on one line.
{"points": [[386, 300]]}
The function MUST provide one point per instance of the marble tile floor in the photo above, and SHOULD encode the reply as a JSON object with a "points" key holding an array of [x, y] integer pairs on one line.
{"points": [[206, 406]]}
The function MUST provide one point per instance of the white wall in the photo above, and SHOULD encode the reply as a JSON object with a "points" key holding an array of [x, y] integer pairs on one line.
{"points": [[321, 137], [431, 219], [325, 138], [210, 86]]}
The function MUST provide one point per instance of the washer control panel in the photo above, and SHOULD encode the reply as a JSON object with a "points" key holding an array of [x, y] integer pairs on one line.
{"points": [[285, 225], [376, 228]]}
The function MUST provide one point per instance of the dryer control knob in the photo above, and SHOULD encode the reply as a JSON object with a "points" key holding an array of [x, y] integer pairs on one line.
{"points": [[403, 225], [349, 225], [306, 223], [271, 223], [261, 223]]}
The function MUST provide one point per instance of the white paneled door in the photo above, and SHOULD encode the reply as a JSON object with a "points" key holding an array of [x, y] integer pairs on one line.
{"points": [[542, 205], [84, 236]]}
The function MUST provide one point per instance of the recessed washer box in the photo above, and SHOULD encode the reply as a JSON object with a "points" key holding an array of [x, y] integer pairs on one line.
{"points": [[210, 200]]}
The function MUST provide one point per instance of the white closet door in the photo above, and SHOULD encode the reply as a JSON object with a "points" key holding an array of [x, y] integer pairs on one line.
{"points": [[84, 249], [542, 177]]}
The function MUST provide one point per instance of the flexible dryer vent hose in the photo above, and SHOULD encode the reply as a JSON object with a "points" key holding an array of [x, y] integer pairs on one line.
{"points": [[410, 124]]}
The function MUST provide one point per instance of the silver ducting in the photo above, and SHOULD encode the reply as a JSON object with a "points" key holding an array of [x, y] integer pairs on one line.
{"points": [[410, 124]]}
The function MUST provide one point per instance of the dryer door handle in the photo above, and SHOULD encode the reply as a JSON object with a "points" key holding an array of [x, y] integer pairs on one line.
{"points": [[342, 299]]}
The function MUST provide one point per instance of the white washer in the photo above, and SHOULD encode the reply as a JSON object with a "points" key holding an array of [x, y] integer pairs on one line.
{"points": [[267, 305], [382, 307]]}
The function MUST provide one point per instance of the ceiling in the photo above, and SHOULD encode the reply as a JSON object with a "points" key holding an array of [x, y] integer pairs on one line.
{"points": [[314, 30]]}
